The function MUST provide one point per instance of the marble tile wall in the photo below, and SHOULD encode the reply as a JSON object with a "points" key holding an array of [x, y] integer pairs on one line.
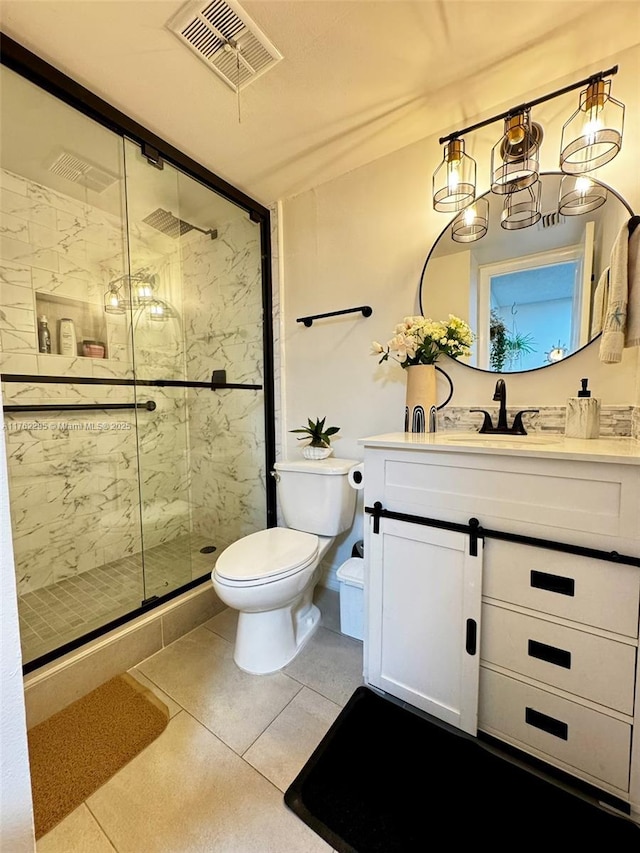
{"points": [[222, 307], [614, 420], [75, 497]]}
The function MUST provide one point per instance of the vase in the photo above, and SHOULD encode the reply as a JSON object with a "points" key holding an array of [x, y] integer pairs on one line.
{"points": [[310, 452], [420, 413]]}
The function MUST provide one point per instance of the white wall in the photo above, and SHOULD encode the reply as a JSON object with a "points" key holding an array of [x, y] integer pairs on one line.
{"points": [[362, 239], [16, 812]]}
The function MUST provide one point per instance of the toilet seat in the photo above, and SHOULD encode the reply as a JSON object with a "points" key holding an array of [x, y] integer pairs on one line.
{"points": [[266, 556]]}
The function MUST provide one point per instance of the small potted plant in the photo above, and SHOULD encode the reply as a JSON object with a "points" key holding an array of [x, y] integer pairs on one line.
{"points": [[320, 445]]}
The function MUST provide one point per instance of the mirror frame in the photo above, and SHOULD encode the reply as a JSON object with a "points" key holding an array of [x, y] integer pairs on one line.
{"points": [[608, 188]]}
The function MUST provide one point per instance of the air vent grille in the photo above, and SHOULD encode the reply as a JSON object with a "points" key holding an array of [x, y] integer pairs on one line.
{"points": [[223, 36], [549, 220], [80, 171]]}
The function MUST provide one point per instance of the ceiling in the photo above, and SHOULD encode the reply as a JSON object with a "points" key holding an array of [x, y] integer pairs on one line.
{"points": [[359, 78]]}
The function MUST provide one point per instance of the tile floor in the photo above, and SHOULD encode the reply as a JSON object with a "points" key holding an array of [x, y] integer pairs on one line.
{"points": [[213, 782], [57, 614]]}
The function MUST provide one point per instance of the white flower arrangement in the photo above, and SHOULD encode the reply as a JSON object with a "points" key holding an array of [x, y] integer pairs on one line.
{"points": [[420, 340]]}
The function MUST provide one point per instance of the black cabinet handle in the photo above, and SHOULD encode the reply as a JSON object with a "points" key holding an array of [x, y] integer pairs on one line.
{"points": [[472, 637], [546, 724], [553, 583], [550, 654]]}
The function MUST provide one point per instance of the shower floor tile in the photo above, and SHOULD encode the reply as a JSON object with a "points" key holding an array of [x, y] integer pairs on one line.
{"points": [[70, 608]]}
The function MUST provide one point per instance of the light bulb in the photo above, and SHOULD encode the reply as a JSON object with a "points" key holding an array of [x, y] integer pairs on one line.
{"points": [[453, 177], [470, 215], [583, 185], [592, 127]]}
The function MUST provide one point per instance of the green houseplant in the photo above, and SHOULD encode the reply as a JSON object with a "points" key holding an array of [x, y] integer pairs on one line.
{"points": [[320, 445]]}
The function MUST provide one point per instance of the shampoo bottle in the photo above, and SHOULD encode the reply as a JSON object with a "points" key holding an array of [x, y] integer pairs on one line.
{"points": [[583, 414], [67, 337], [44, 335]]}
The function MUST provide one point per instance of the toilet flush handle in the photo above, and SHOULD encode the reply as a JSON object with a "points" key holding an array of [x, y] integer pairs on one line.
{"points": [[275, 476]]}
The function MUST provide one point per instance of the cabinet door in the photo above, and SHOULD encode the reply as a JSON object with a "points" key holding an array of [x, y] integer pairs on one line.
{"points": [[423, 619]]}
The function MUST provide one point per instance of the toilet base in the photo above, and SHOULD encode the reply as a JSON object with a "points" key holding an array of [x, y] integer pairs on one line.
{"points": [[269, 640]]}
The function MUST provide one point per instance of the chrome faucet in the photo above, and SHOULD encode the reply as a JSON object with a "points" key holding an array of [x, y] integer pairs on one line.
{"points": [[517, 428]]}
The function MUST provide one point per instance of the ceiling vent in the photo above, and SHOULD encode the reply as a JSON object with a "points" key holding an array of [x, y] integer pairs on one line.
{"points": [[550, 220], [227, 40], [74, 168]]}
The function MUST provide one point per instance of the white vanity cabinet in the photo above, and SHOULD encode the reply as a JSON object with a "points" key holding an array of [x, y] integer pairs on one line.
{"points": [[557, 673], [423, 605]]}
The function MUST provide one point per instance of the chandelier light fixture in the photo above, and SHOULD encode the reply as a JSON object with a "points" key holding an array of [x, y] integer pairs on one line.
{"points": [[579, 194], [593, 134], [590, 138], [136, 290], [472, 224], [515, 158], [454, 181], [522, 207], [114, 300]]}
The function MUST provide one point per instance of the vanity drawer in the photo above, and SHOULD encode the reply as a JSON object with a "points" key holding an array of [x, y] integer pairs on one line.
{"points": [[554, 727], [593, 592], [595, 668]]}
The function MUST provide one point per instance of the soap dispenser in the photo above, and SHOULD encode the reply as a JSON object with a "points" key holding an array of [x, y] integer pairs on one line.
{"points": [[583, 414]]}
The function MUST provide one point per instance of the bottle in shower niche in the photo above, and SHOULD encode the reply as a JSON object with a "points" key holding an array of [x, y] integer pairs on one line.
{"points": [[44, 335], [67, 337]]}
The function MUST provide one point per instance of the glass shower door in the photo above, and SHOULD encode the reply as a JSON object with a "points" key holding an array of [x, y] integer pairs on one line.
{"points": [[69, 416], [197, 302]]}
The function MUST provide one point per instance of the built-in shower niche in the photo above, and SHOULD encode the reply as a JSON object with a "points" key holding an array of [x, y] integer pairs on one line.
{"points": [[88, 319]]}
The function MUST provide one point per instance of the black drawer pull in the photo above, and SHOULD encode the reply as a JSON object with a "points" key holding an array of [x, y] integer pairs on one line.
{"points": [[553, 583], [551, 654], [546, 724], [472, 636]]}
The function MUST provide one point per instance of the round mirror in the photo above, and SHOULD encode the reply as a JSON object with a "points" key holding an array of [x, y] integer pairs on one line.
{"points": [[527, 292]]}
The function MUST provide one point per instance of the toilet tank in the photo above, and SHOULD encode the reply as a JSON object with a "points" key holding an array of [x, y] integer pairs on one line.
{"points": [[315, 495]]}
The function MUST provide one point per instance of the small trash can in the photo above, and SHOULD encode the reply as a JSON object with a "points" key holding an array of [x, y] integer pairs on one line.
{"points": [[351, 577]]}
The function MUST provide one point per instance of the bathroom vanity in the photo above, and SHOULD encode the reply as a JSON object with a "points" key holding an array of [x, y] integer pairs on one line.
{"points": [[503, 593]]}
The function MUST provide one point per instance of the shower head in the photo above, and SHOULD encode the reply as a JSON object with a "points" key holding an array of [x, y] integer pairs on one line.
{"points": [[168, 224]]}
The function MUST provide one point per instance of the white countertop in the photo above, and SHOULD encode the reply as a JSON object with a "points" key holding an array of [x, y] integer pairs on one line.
{"points": [[618, 450]]}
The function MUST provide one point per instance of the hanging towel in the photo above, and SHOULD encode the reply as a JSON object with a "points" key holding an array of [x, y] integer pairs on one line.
{"points": [[621, 316], [632, 336], [600, 299]]}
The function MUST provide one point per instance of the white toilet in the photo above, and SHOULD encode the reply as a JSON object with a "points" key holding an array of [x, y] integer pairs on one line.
{"points": [[270, 576]]}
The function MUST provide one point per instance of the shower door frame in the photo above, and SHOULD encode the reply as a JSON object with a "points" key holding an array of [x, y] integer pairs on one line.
{"points": [[30, 66]]}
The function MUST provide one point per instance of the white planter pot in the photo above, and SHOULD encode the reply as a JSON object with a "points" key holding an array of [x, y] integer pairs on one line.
{"points": [[316, 452]]}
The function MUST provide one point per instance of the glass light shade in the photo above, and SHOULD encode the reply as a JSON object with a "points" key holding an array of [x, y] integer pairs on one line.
{"points": [[522, 208], [579, 194], [472, 224], [158, 311], [593, 134], [143, 291], [113, 301], [454, 181], [515, 158]]}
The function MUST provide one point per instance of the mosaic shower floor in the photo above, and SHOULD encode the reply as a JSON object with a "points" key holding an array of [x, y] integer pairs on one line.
{"points": [[57, 614]]}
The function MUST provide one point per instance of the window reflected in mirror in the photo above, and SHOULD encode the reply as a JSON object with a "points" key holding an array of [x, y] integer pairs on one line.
{"points": [[527, 294]]}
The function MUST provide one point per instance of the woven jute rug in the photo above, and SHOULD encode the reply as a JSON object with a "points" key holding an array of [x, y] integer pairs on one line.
{"points": [[78, 749]]}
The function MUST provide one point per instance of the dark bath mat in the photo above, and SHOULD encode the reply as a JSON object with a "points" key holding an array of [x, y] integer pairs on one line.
{"points": [[386, 780]]}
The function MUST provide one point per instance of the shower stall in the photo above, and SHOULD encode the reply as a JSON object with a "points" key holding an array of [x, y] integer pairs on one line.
{"points": [[135, 346]]}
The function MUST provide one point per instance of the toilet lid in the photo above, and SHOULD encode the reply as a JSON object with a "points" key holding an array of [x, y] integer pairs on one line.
{"points": [[267, 554]]}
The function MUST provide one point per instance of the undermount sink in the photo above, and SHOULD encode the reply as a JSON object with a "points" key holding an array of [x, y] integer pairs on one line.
{"points": [[487, 439]]}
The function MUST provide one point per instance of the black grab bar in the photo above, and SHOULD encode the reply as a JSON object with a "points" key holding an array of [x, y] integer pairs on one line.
{"points": [[150, 406], [367, 311]]}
